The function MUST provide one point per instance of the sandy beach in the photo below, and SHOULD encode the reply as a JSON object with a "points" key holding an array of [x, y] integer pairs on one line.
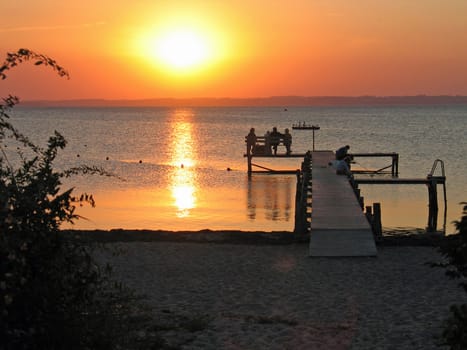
{"points": [[253, 296]]}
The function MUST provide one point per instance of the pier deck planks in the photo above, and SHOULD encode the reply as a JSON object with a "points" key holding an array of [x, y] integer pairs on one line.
{"points": [[338, 224]]}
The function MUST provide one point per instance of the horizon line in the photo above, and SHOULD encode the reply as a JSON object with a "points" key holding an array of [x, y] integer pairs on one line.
{"points": [[284, 101]]}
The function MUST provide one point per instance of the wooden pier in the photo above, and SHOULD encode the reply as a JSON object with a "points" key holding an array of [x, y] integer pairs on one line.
{"points": [[338, 225], [329, 208]]}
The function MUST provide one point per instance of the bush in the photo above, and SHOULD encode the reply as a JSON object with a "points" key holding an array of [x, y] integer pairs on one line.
{"points": [[52, 293], [455, 253]]}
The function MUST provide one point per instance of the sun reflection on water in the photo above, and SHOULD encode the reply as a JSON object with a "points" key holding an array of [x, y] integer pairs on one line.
{"points": [[183, 159], [185, 199]]}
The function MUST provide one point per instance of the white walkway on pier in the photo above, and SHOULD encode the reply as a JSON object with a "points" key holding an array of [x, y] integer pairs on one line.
{"points": [[338, 225]]}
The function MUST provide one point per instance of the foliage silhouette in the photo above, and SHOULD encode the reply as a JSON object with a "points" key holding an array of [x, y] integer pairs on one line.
{"points": [[53, 295], [455, 254]]}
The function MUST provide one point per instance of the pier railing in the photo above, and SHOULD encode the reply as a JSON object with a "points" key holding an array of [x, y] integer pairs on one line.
{"points": [[302, 204], [394, 166]]}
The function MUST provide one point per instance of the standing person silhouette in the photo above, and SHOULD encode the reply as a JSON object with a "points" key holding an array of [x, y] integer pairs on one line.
{"points": [[250, 141]]}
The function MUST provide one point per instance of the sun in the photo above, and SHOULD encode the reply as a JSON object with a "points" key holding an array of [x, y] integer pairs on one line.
{"points": [[181, 49], [178, 50]]}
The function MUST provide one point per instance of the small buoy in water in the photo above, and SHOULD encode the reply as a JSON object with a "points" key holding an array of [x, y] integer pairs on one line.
{"points": [[228, 169], [140, 161], [106, 158], [77, 155]]}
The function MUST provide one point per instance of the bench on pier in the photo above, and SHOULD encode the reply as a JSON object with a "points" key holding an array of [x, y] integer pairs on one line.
{"points": [[263, 146]]}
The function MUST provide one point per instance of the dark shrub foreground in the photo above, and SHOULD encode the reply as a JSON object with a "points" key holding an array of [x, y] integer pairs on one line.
{"points": [[52, 293], [455, 253]]}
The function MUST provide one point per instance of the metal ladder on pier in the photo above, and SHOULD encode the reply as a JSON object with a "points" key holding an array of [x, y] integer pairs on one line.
{"points": [[433, 206]]}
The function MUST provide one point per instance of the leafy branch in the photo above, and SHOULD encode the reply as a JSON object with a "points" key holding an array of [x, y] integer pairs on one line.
{"points": [[22, 55]]}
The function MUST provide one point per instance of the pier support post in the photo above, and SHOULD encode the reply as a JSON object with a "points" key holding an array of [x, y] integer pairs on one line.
{"points": [[373, 215], [432, 205], [377, 226], [395, 165], [369, 214], [298, 206]]}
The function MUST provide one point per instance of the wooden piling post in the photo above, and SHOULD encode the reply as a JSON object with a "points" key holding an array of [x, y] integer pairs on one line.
{"points": [[432, 205], [378, 230], [369, 214], [395, 165], [357, 192], [298, 207]]}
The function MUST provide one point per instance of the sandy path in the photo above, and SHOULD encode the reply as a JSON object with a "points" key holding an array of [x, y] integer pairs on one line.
{"points": [[276, 297]]}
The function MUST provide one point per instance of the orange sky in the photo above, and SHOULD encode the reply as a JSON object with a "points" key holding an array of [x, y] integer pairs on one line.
{"points": [[256, 48]]}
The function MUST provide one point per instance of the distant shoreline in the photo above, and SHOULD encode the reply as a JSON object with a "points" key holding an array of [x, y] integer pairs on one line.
{"points": [[274, 101]]}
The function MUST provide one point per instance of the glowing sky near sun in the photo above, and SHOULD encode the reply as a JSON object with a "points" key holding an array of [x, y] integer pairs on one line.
{"points": [[117, 49]]}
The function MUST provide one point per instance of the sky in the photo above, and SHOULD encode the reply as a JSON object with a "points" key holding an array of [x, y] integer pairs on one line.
{"points": [[140, 49]]}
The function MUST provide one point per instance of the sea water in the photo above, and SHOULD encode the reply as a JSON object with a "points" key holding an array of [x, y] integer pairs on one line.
{"points": [[184, 168]]}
